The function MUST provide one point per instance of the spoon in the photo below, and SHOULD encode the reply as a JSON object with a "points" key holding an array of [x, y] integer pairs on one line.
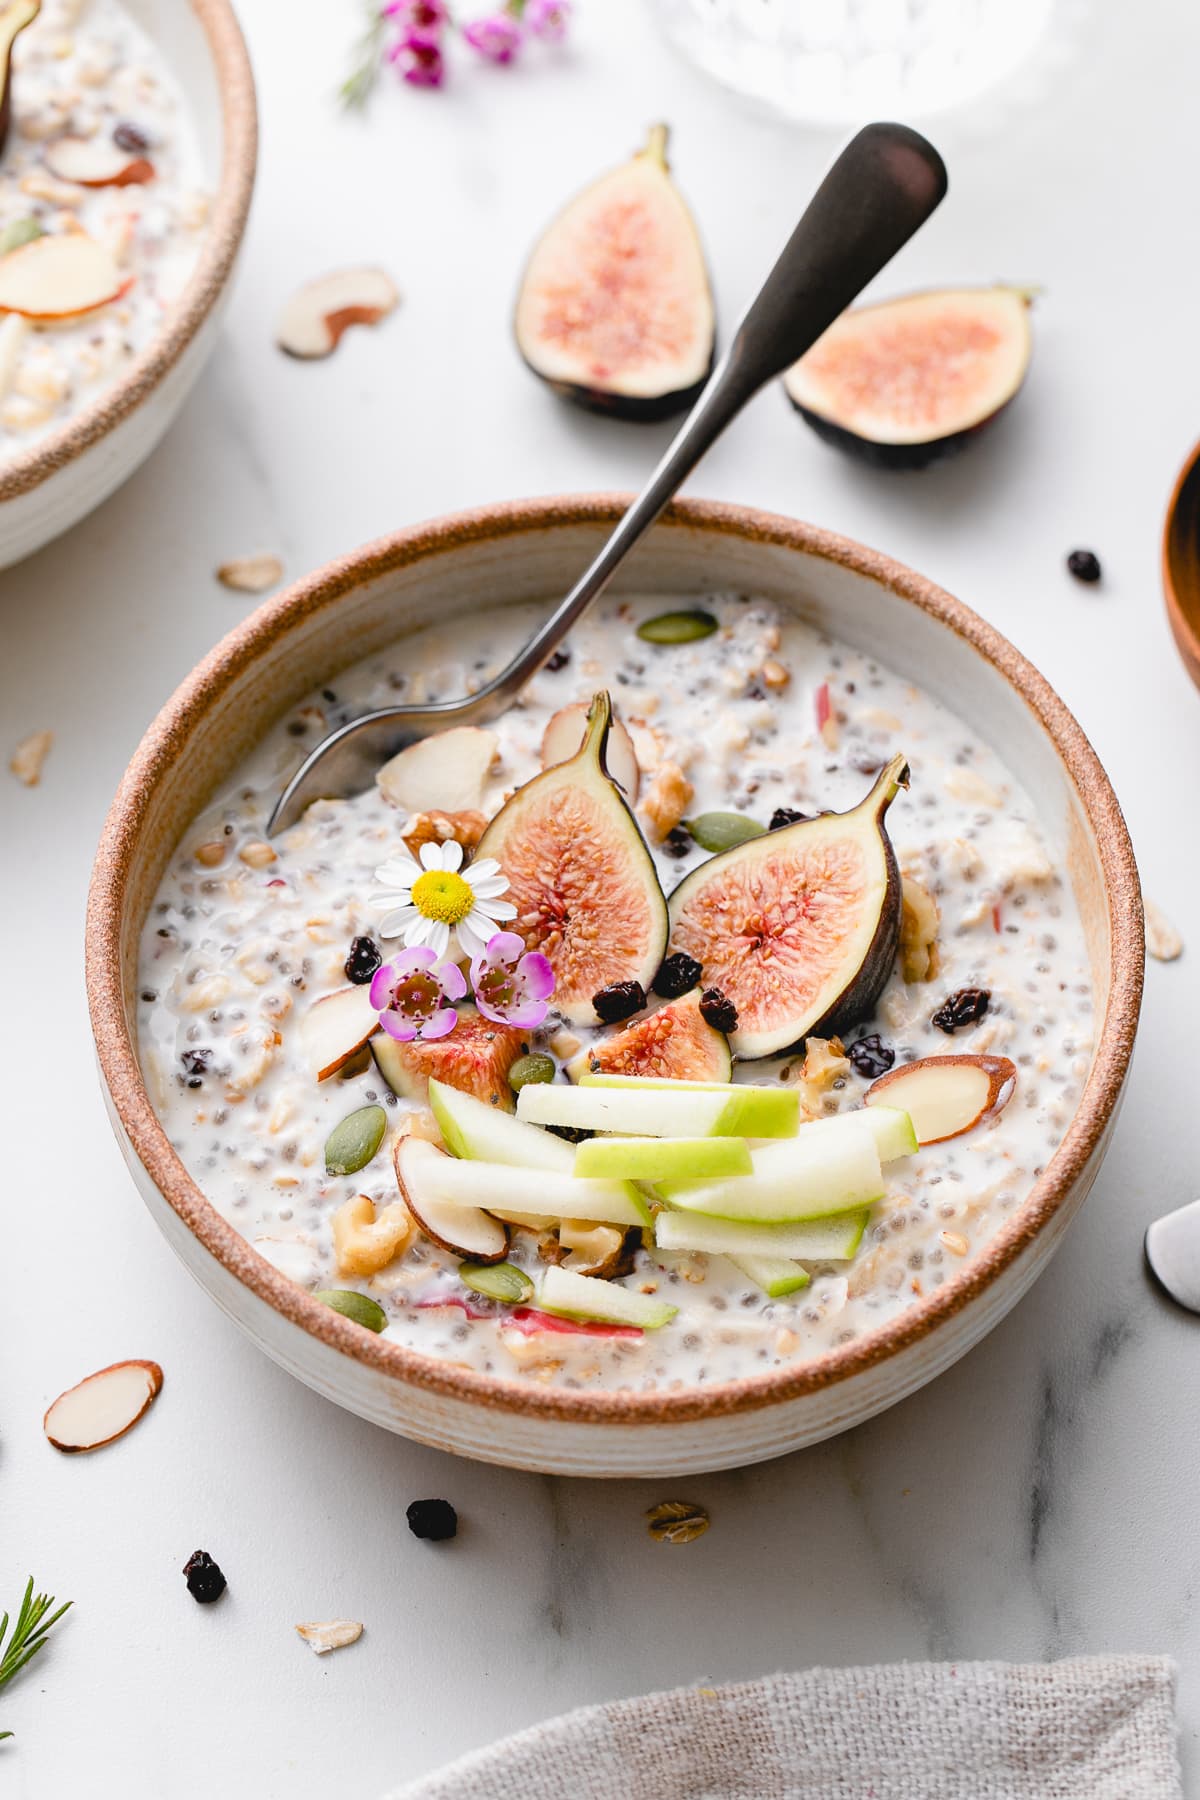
{"points": [[1181, 564], [883, 186], [1173, 1253]]}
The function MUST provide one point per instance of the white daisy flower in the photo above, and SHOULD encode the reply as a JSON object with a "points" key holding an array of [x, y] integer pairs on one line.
{"points": [[431, 901]]}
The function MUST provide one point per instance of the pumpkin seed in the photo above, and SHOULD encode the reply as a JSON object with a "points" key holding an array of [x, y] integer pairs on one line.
{"points": [[722, 830], [17, 233], [677, 628], [531, 1068], [676, 1521], [351, 1145], [498, 1281], [353, 1305]]}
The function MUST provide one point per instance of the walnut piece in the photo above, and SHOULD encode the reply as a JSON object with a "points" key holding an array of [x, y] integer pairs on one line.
{"points": [[364, 1243], [666, 799], [919, 957], [465, 828]]}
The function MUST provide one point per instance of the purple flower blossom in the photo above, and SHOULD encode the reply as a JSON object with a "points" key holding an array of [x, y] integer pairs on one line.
{"points": [[548, 18], [424, 16], [418, 59], [498, 37], [512, 985], [410, 992]]}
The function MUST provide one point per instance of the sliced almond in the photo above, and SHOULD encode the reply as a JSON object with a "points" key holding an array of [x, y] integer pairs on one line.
{"points": [[312, 322], [95, 162], [564, 735], [27, 759], [443, 773], [330, 1634], [251, 574], [947, 1095], [60, 277], [335, 1027], [103, 1406], [1162, 940]]}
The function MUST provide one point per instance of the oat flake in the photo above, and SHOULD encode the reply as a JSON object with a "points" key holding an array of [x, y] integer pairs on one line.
{"points": [[251, 574], [27, 759], [330, 1634]]}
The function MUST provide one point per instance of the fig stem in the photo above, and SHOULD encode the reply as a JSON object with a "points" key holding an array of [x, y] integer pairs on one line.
{"points": [[891, 778], [656, 147], [598, 721]]}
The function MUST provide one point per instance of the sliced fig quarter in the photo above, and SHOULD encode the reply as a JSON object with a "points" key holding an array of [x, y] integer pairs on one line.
{"points": [[674, 1042], [565, 733], [580, 875], [615, 310], [465, 1231], [102, 1407], [947, 1095], [905, 382], [798, 928]]}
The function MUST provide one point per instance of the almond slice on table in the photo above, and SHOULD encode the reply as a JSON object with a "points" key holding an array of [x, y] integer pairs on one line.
{"points": [[103, 1406], [60, 277], [330, 1634], [564, 735], [312, 322], [251, 574], [95, 162], [1162, 940], [946, 1095]]}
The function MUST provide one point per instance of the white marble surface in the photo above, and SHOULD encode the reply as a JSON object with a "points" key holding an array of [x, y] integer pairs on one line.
{"points": [[1039, 1499]]}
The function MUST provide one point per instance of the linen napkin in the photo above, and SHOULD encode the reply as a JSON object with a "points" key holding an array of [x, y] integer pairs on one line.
{"points": [[1086, 1728]]}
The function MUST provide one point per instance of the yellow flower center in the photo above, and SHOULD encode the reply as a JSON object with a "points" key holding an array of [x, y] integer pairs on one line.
{"points": [[441, 894]]}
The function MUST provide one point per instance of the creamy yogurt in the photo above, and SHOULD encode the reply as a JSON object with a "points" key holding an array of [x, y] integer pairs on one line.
{"points": [[240, 942], [86, 73]]}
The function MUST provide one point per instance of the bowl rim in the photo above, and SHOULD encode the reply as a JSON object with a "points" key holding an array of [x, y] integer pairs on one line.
{"points": [[235, 185], [321, 591]]}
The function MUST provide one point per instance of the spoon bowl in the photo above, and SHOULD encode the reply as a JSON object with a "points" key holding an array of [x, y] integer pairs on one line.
{"points": [[1181, 564]]}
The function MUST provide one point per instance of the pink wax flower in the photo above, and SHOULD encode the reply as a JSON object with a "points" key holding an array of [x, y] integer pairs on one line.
{"points": [[512, 985], [410, 994], [498, 37]]}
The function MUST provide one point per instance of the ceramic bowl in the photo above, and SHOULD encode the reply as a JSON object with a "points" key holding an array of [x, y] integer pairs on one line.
{"points": [[62, 476], [532, 550]]}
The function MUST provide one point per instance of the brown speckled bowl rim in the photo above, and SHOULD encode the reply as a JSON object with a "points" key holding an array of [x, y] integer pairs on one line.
{"points": [[166, 740], [223, 234]]}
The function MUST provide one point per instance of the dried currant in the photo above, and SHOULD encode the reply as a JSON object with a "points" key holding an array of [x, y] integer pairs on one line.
{"points": [[871, 1056], [676, 974], [205, 1581], [196, 1063], [364, 958], [1084, 565], [718, 1011], [619, 1000], [558, 661], [127, 136], [678, 842], [786, 815], [432, 1519], [965, 1008]]}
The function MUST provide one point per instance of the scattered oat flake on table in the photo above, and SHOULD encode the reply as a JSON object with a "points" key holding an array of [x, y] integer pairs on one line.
{"points": [[330, 1634], [27, 759], [313, 320], [1162, 940], [676, 1521], [102, 1407], [251, 574]]}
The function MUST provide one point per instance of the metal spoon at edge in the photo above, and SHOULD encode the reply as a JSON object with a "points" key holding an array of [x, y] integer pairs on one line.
{"points": [[883, 186]]}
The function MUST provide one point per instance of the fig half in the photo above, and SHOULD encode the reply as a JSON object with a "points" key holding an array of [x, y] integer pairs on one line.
{"points": [[799, 927], [615, 310], [580, 875], [905, 382]]}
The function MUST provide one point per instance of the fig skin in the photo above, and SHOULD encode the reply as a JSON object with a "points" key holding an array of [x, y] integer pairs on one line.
{"points": [[674, 1041], [1002, 312], [848, 992], [580, 875], [682, 381]]}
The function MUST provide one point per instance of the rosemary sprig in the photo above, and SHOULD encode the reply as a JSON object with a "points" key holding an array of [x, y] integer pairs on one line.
{"points": [[356, 90], [28, 1634]]}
